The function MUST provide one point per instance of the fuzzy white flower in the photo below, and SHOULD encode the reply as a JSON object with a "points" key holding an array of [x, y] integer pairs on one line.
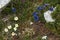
{"points": [[48, 17], [16, 25], [16, 18], [6, 30], [9, 27], [44, 37], [13, 34], [15, 28]]}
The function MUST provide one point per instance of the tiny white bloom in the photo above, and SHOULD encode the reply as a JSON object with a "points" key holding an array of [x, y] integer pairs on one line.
{"points": [[44, 37], [16, 18], [6, 30], [15, 28], [9, 27], [16, 25], [31, 23], [13, 34]]}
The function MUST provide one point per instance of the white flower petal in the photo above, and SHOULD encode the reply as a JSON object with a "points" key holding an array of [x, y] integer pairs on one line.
{"points": [[13, 34], [16, 25], [15, 28], [9, 27], [6, 30], [44, 37], [15, 18], [48, 17]]}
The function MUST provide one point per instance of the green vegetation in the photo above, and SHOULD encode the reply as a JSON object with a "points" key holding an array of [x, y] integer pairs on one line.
{"points": [[24, 11]]}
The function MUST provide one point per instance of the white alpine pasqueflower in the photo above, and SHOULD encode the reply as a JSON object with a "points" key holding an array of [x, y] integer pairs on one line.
{"points": [[9, 27], [48, 17], [16, 25], [6, 30], [16, 18]]}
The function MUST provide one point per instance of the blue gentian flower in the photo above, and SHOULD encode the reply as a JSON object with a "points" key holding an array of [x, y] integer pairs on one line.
{"points": [[35, 13], [51, 9], [36, 18], [40, 8], [13, 9]]}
